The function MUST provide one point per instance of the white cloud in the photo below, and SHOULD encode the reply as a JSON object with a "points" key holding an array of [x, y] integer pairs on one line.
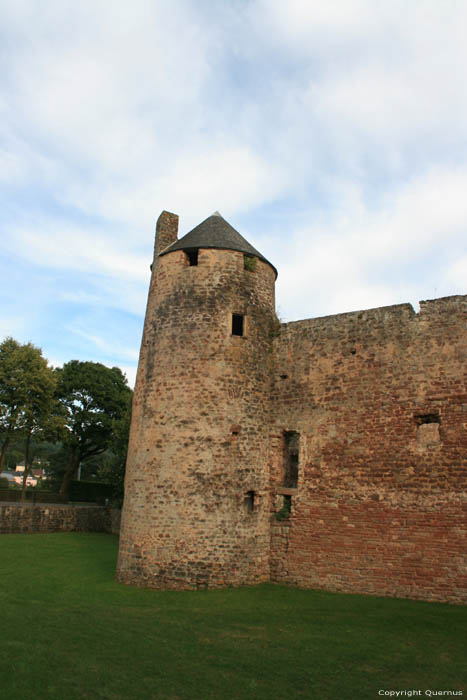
{"points": [[10, 327], [372, 91], [334, 269], [232, 179], [110, 348], [130, 372], [60, 244], [336, 129], [456, 274], [195, 182]]}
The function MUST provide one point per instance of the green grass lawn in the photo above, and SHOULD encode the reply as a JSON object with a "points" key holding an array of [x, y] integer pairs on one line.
{"points": [[69, 631]]}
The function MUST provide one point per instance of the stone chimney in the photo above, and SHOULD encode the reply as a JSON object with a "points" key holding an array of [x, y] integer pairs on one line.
{"points": [[166, 231]]}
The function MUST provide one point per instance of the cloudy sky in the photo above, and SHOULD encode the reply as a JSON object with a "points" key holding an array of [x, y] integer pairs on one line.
{"points": [[332, 135]]}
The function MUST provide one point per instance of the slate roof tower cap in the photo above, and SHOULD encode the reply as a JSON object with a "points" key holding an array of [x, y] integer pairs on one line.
{"points": [[216, 232]]}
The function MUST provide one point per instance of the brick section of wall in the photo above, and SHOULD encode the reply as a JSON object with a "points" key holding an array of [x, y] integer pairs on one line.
{"points": [[369, 547], [196, 509], [49, 517], [380, 401]]}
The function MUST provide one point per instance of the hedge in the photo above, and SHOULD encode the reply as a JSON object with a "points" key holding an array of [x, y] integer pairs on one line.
{"points": [[82, 491], [90, 492], [32, 495]]}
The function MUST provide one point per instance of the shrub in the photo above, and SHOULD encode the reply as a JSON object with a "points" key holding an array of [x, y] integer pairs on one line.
{"points": [[249, 263], [90, 492]]}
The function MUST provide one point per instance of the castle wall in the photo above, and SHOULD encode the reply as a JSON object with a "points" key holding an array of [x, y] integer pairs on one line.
{"points": [[196, 509], [52, 517], [379, 400]]}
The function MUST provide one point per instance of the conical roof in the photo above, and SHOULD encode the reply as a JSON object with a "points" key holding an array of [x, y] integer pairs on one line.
{"points": [[215, 232]]}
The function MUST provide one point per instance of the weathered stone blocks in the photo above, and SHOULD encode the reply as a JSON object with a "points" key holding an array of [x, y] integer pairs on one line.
{"points": [[326, 453], [196, 508]]}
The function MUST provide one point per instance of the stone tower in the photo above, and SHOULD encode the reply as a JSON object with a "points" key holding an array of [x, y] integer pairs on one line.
{"points": [[196, 511]]}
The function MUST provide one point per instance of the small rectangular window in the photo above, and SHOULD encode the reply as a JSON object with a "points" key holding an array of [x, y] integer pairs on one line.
{"points": [[423, 419], [192, 256], [250, 501], [237, 324]]}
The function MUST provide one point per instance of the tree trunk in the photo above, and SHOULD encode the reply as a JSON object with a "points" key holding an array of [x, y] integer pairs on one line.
{"points": [[70, 472], [27, 465], [4, 449]]}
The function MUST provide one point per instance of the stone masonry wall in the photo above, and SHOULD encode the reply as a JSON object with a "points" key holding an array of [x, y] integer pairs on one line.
{"points": [[196, 509], [379, 399], [50, 517]]}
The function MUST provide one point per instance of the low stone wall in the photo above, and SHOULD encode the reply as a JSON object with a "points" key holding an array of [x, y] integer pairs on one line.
{"points": [[51, 517], [115, 518]]}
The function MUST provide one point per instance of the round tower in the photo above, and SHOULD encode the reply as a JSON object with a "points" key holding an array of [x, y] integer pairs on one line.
{"points": [[196, 510]]}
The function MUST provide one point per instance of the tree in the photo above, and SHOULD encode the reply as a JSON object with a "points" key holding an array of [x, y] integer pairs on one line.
{"points": [[27, 386], [95, 399], [43, 416], [109, 467], [11, 391]]}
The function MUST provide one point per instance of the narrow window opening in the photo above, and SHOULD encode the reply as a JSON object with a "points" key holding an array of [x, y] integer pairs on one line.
{"points": [[235, 430], [427, 418], [237, 324], [192, 256], [249, 263], [291, 452], [250, 501]]}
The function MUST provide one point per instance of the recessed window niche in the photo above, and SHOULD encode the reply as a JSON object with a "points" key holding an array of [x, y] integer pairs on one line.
{"points": [[250, 501], [291, 452], [427, 428], [238, 324], [191, 256]]}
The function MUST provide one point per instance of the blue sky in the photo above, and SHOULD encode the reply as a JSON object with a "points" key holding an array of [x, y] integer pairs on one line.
{"points": [[331, 135]]}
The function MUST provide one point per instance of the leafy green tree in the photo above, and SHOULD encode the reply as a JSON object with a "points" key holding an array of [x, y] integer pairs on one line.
{"points": [[27, 406], [12, 391], [58, 460], [109, 467], [44, 417], [14, 453], [116, 473], [95, 399]]}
